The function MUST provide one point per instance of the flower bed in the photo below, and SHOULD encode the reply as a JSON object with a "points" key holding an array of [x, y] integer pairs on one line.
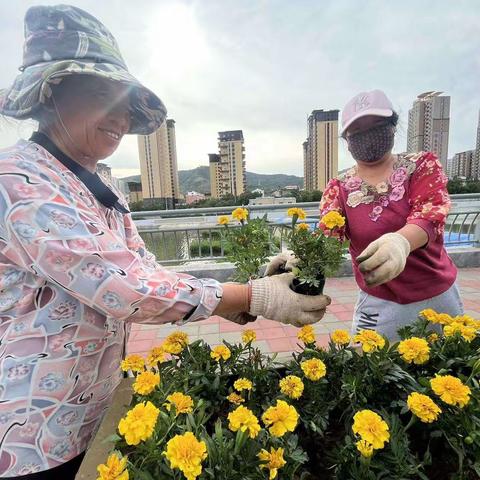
{"points": [[380, 411]]}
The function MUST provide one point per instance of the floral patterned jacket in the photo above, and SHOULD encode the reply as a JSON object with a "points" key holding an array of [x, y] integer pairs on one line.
{"points": [[415, 193], [73, 274]]}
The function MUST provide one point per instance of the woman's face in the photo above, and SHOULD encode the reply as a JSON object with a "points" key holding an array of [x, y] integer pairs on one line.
{"points": [[370, 139], [95, 112]]}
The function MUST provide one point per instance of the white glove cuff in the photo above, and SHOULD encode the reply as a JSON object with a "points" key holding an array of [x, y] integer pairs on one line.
{"points": [[259, 297]]}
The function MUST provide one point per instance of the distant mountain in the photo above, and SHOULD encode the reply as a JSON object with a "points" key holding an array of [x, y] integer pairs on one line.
{"points": [[132, 178], [270, 182], [195, 180], [198, 180]]}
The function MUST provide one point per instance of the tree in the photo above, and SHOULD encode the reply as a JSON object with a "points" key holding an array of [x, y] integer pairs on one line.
{"points": [[307, 196], [463, 186]]}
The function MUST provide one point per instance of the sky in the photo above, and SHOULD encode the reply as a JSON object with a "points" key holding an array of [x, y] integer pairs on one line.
{"points": [[263, 65]]}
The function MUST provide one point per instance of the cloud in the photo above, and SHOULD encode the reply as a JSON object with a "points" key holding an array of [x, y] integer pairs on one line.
{"points": [[263, 66]]}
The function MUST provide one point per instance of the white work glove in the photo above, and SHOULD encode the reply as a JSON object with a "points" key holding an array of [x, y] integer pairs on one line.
{"points": [[272, 298], [283, 262], [384, 259]]}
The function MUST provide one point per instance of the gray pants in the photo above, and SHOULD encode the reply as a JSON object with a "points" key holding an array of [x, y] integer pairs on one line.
{"points": [[385, 317]]}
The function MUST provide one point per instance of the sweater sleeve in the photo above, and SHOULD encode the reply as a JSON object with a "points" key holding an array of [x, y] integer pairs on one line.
{"points": [[428, 196], [73, 247], [331, 202]]}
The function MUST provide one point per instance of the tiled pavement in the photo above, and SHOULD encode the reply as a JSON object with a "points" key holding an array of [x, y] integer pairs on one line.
{"points": [[275, 337]]}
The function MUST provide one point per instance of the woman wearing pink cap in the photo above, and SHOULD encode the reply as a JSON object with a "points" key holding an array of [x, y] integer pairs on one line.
{"points": [[395, 208]]}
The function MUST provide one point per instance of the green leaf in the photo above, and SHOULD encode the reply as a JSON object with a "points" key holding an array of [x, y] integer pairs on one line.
{"points": [[112, 438]]}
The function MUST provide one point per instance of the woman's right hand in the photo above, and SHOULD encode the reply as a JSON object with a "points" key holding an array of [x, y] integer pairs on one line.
{"points": [[283, 262], [273, 298]]}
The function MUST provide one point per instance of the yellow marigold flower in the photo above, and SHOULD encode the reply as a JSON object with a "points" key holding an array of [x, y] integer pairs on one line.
{"points": [[306, 334], [244, 420], [468, 321], [182, 403], [341, 337], [156, 356], [429, 315], [433, 337], [114, 469], [186, 453], [371, 428], [314, 369], [139, 423], [249, 336], [370, 340], [146, 382], [292, 386], [468, 333], [281, 418], [133, 362], [223, 220], [220, 352], [414, 350], [175, 342], [242, 384], [272, 460], [365, 448], [451, 390], [433, 317], [240, 214], [333, 219], [235, 398], [295, 211], [444, 319], [303, 226], [423, 407]]}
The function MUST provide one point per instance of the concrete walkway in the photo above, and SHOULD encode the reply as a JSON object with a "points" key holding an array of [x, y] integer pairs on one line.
{"points": [[275, 337]]}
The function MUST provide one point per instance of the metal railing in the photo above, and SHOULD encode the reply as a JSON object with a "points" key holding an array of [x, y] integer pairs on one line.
{"points": [[192, 244], [186, 235], [463, 228], [204, 243], [214, 211], [457, 200]]}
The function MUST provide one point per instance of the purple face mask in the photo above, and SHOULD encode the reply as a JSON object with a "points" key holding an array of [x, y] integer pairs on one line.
{"points": [[371, 145]]}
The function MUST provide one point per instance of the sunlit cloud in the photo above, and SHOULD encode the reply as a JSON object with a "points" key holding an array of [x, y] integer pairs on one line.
{"points": [[264, 66]]}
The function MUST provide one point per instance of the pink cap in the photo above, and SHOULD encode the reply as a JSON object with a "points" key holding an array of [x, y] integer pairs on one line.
{"points": [[363, 104]]}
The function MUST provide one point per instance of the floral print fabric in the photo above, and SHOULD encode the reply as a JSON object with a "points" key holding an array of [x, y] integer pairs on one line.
{"points": [[73, 274], [428, 195]]}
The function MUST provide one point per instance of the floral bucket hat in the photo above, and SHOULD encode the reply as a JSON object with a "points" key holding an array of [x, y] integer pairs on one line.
{"points": [[63, 40]]}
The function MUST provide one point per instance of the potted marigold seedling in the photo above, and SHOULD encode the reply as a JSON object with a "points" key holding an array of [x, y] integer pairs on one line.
{"points": [[318, 251]]}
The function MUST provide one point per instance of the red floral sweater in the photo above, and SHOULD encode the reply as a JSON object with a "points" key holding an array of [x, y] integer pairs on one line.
{"points": [[416, 193]]}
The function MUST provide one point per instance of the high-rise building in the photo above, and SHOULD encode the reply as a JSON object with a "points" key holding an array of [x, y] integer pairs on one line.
{"points": [[227, 168], [307, 170], [172, 155], [428, 125], [320, 150], [451, 167], [477, 151], [135, 192], [104, 172], [463, 165], [158, 166]]}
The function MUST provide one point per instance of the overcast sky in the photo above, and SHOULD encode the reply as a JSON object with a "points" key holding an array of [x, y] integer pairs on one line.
{"points": [[263, 66]]}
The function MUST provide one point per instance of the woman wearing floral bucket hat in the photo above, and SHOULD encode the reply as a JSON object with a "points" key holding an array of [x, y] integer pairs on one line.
{"points": [[74, 272], [395, 208]]}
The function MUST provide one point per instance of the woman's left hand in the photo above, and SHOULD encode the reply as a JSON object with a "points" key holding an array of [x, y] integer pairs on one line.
{"points": [[384, 259]]}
